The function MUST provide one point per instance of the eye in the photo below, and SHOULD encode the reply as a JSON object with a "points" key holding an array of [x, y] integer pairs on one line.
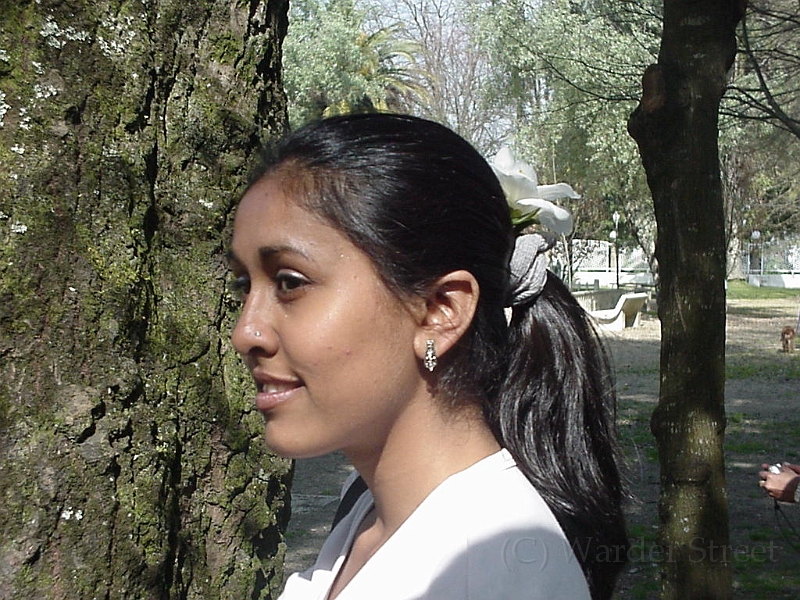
{"points": [[241, 286], [290, 282]]}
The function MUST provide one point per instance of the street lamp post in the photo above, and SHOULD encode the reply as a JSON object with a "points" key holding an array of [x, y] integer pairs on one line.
{"points": [[614, 236], [756, 239], [755, 244]]}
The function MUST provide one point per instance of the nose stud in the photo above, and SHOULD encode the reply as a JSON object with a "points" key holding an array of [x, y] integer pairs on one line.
{"points": [[258, 334]]}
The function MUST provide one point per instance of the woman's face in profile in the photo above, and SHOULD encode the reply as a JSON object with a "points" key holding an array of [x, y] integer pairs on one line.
{"points": [[330, 348]]}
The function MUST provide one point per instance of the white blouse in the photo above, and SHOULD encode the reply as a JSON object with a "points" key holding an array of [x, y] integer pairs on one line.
{"points": [[483, 534]]}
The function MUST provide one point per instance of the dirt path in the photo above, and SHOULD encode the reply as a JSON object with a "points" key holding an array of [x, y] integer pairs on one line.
{"points": [[762, 394], [763, 408]]}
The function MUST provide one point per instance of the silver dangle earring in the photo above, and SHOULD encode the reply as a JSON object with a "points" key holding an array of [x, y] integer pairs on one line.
{"points": [[430, 359]]}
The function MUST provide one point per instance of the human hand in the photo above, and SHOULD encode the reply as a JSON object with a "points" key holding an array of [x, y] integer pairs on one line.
{"points": [[781, 486], [795, 468]]}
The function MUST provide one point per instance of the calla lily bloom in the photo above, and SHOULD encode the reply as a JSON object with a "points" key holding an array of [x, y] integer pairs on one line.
{"points": [[548, 214], [529, 201]]}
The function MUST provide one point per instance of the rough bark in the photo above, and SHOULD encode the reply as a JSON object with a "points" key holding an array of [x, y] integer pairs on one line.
{"points": [[676, 128], [131, 460]]}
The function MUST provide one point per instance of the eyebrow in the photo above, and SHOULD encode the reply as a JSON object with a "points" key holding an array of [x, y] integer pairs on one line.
{"points": [[267, 252]]}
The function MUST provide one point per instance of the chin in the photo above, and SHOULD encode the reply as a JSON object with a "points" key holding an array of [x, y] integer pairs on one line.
{"points": [[294, 448]]}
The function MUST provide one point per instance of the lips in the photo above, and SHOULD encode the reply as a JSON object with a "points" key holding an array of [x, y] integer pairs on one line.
{"points": [[272, 392]]}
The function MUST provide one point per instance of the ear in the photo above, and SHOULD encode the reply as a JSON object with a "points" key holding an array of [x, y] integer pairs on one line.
{"points": [[450, 306]]}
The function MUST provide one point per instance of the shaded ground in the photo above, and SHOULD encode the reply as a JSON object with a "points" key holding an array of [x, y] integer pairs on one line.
{"points": [[763, 408]]}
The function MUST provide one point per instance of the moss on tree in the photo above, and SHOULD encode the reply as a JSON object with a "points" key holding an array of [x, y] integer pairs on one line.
{"points": [[131, 458]]}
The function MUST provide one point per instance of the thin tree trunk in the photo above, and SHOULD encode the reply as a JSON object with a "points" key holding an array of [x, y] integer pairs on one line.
{"points": [[676, 129], [131, 460]]}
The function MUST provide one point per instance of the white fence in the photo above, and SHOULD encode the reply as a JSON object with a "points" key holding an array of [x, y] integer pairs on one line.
{"points": [[600, 264], [597, 263], [773, 263]]}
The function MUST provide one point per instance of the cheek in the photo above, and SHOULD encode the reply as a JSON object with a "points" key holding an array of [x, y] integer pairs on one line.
{"points": [[353, 324], [332, 344], [365, 346]]}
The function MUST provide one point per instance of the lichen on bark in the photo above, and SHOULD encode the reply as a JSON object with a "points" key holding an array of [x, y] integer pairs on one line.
{"points": [[131, 459]]}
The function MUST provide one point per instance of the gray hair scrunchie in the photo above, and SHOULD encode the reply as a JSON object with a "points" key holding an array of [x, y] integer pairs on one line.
{"points": [[529, 267]]}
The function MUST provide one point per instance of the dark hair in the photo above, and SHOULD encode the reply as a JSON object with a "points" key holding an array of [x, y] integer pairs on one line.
{"points": [[420, 201]]}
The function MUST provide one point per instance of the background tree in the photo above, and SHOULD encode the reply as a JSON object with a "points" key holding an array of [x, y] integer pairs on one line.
{"points": [[335, 65], [570, 75], [767, 83], [131, 458], [461, 90], [761, 124], [676, 128], [761, 173]]}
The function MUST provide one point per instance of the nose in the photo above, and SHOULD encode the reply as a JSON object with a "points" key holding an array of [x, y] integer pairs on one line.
{"points": [[253, 331]]}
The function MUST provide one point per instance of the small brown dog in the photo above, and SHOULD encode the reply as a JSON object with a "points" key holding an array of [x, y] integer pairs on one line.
{"points": [[788, 334]]}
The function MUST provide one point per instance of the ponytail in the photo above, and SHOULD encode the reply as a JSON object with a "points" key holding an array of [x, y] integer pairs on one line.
{"points": [[555, 414]]}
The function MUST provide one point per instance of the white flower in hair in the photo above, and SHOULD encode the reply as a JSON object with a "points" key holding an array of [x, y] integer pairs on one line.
{"points": [[529, 201]]}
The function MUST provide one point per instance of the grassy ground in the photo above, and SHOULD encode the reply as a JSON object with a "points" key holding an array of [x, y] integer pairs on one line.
{"points": [[763, 410], [739, 290]]}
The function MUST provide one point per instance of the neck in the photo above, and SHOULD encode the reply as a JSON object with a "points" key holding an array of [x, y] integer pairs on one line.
{"points": [[426, 446]]}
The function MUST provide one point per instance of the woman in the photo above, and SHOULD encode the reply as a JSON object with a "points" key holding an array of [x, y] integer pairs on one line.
{"points": [[372, 253]]}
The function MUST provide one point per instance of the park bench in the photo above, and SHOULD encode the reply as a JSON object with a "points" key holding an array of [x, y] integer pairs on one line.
{"points": [[624, 314]]}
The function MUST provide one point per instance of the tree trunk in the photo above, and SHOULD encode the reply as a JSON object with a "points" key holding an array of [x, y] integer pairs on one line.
{"points": [[131, 458], [675, 126]]}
